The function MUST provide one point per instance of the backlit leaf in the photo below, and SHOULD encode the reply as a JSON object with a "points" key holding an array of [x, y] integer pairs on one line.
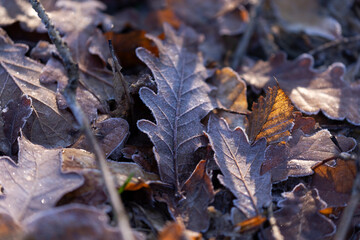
{"points": [[272, 117]]}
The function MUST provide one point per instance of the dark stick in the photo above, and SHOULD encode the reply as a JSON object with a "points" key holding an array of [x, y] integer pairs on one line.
{"points": [[70, 96]]}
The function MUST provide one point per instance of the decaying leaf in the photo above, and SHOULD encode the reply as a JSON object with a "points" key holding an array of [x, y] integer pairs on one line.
{"points": [[34, 184], [305, 124], [297, 157], [19, 75], [334, 183], [299, 216], [177, 231], [14, 116], [181, 102], [271, 118], [310, 19], [240, 165], [198, 194], [70, 222], [310, 90]]}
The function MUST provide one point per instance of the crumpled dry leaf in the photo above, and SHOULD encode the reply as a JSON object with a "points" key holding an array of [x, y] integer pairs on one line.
{"points": [[307, 16], [240, 165], [299, 216], [305, 124], [34, 184], [19, 75], [297, 157], [334, 183], [271, 118], [111, 133], [198, 194], [181, 102], [72, 221], [18, 11], [310, 90]]}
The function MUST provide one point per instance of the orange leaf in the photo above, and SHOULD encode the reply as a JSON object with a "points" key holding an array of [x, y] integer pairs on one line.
{"points": [[272, 117], [177, 231], [251, 223]]}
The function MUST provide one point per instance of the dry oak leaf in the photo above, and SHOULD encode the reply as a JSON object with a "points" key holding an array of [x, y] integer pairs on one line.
{"points": [[297, 157], [310, 90], [181, 102], [240, 164], [19, 75], [271, 118], [334, 183], [299, 216], [310, 19], [72, 221], [36, 183]]}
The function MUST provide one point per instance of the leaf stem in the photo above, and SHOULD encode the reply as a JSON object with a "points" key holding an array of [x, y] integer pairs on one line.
{"points": [[70, 95]]}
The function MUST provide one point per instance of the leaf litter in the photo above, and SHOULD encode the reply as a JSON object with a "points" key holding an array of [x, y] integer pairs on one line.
{"points": [[221, 152]]}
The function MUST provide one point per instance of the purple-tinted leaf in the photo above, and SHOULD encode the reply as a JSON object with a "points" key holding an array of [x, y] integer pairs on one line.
{"points": [[34, 184], [301, 153], [240, 165], [181, 102], [299, 216]]}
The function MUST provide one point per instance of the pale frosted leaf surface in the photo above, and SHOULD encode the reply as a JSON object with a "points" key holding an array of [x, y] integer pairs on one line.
{"points": [[36, 183], [310, 90], [301, 153], [299, 216], [19, 75], [181, 102], [240, 165]]}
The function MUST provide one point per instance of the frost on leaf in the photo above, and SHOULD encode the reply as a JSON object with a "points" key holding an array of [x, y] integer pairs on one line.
{"points": [[297, 157], [299, 216], [34, 184], [310, 90], [181, 102], [272, 117], [19, 75], [240, 165]]}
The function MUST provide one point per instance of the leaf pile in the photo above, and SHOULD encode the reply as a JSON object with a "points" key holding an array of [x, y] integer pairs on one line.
{"points": [[196, 149]]}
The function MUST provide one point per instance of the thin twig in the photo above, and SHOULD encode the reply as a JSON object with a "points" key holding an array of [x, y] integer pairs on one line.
{"points": [[241, 47], [335, 43], [70, 96], [276, 233], [353, 203], [121, 79]]}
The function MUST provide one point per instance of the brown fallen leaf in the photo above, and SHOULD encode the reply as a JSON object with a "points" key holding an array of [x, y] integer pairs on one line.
{"points": [[155, 20], [305, 124], [240, 164], [126, 43], [71, 222], [297, 157], [111, 133], [36, 183], [311, 19], [177, 231], [271, 118], [19, 75], [181, 102], [310, 90], [299, 216], [251, 223], [10, 229], [334, 183]]}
